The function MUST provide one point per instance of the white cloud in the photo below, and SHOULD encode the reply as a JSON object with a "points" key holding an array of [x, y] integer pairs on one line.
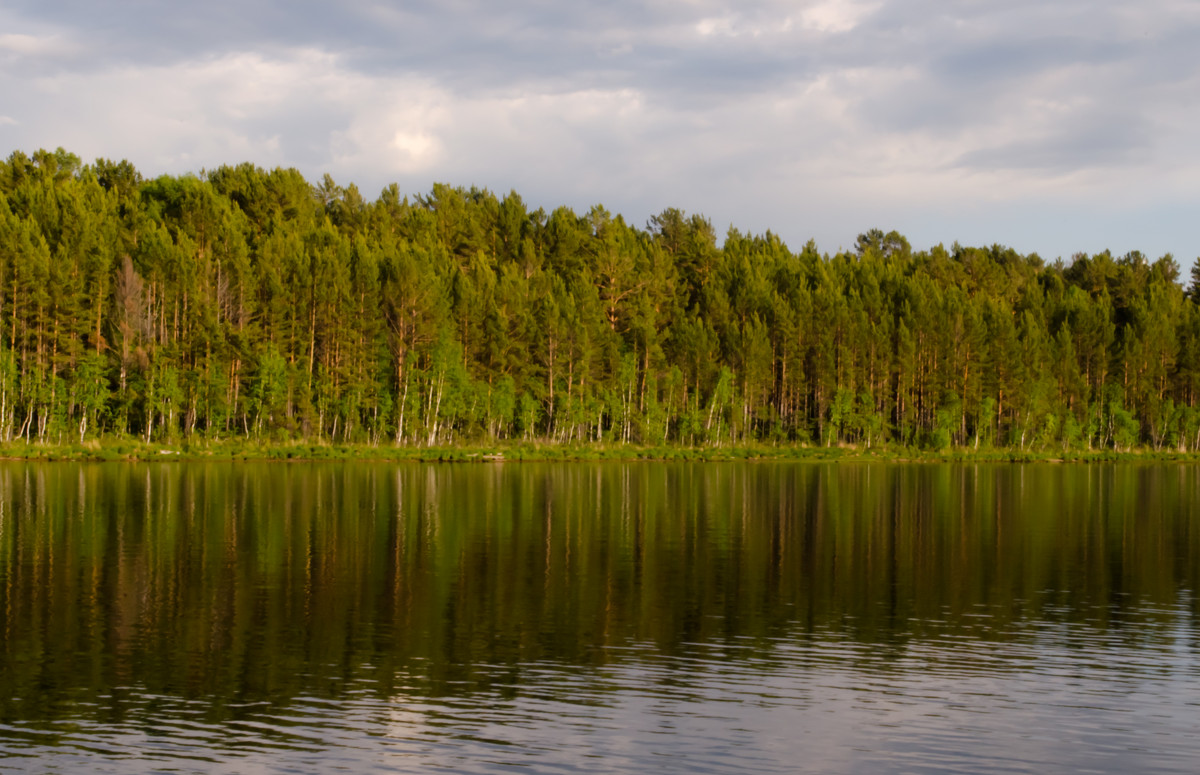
{"points": [[758, 20], [710, 26], [836, 15], [31, 45], [418, 147], [301, 107]]}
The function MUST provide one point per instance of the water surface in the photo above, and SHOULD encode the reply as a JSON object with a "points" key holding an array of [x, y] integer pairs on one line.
{"points": [[607, 617]]}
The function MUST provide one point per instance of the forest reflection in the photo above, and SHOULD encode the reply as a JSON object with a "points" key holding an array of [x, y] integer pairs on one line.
{"points": [[265, 582]]}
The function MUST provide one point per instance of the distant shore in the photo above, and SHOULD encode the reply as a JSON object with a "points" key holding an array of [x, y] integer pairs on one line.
{"points": [[130, 450]]}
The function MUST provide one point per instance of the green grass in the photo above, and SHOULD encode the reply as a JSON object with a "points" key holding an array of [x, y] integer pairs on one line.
{"points": [[130, 449]]}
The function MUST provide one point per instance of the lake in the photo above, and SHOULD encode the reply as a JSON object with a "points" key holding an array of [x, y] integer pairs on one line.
{"points": [[762, 617]]}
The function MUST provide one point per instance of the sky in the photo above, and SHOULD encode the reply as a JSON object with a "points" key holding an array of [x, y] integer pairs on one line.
{"points": [[1050, 127]]}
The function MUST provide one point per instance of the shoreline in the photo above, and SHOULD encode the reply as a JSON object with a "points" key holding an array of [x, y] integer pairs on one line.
{"points": [[128, 450]]}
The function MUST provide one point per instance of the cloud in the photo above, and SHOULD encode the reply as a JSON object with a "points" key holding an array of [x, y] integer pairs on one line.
{"points": [[28, 45], [1105, 140], [837, 15], [301, 108], [818, 118]]}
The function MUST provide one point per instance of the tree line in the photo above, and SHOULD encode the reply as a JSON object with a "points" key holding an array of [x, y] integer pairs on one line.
{"points": [[250, 303]]}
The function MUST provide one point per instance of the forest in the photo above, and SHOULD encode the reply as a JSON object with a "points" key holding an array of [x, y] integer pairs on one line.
{"points": [[246, 303]]}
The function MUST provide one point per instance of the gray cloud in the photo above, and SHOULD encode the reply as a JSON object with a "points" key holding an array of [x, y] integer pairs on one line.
{"points": [[1112, 140], [818, 118]]}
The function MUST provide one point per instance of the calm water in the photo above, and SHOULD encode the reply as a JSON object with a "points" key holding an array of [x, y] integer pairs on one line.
{"points": [[757, 617]]}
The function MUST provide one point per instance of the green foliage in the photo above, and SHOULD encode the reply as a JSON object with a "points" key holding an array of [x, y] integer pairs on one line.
{"points": [[250, 304]]}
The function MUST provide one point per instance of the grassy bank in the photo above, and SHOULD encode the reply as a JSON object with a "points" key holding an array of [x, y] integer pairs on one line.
{"points": [[136, 450]]}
